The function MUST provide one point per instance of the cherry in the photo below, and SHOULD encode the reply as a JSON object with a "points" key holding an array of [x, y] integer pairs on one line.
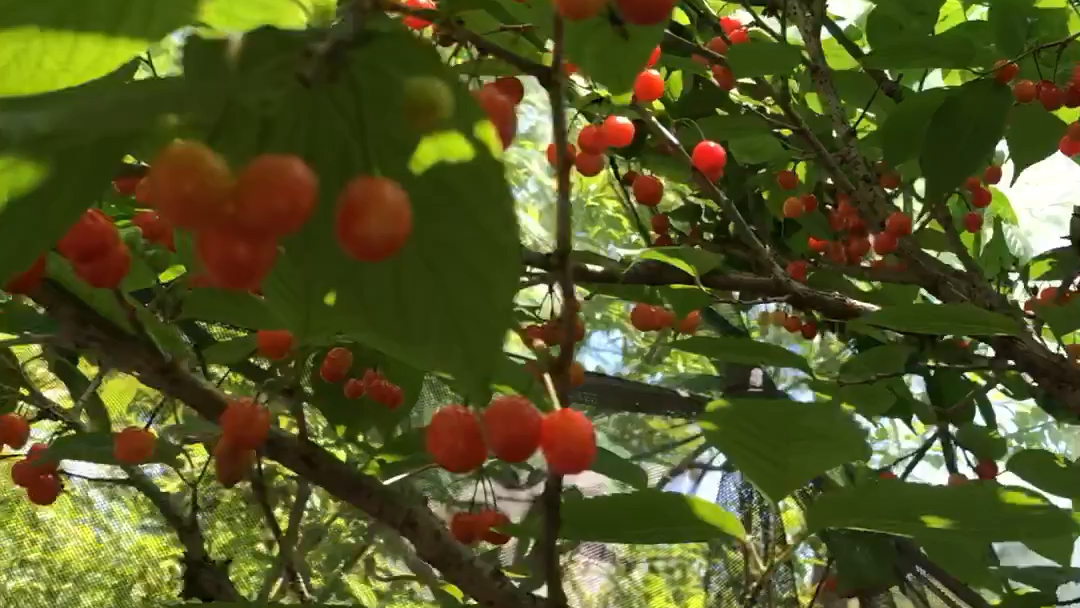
{"points": [[629, 177], [981, 197], [973, 222], [644, 317], [354, 388], [1024, 91], [1050, 96], [660, 223], [729, 24], [854, 224], [23, 473], [578, 10], [648, 86], [884, 243], [416, 23], [91, 236], [886, 474], [245, 423], [36, 458], [125, 186], [569, 157], [14, 431], [512, 424], [837, 253], [857, 247], [154, 229], [231, 462], [808, 330], [797, 269], [724, 77], [189, 184], [618, 131], [898, 223], [709, 157], [793, 207], [957, 480], [568, 441], [553, 336], [653, 57], [385, 393], [27, 281], [1005, 71], [739, 36], [972, 183], [689, 323], [1068, 146], [464, 527], [663, 240], [373, 218], [500, 110], [645, 12], [275, 195], [133, 445], [889, 180], [511, 87], [717, 45], [992, 174], [455, 440], [648, 190], [1073, 131], [488, 519], [591, 140], [371, 377], [986, 469], [809, 202], [107, 270], [274, 344], [336, 364], [816, 245], [1071, 98], [787, 179], [44, 490], [793, 324], [590, 164], [233, 261]]}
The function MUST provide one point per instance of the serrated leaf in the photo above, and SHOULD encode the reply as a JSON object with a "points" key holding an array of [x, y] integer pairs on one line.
{"points": [[1047, 471], [1033, 135], [778, 459], [762, 58], [743, 350], [961, 319], [611, 56], [616, 467], [693, 261], [904, 130], [962, 135]]}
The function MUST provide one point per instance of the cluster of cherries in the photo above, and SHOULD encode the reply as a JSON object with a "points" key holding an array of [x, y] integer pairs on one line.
{"points": [[648, 317], [511, 427], [736, 33], [470, 528], [540, 337], [985, 470], [1049, 95], [245, 425], [39, 477], [792, 323], [335, 368]]}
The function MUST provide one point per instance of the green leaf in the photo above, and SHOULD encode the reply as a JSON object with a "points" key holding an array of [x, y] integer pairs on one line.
{"points": [[444, 301], [962, 135], [616, 467], [861, 560], [868, 399], [1009, 20], [98, 448], [611, 56], [984, 511], [778, 459], [1032, 136], [230, 351], [1044, 578], [967, 559], [1063, 319], [928, 52], [961, 319], [887, 359], [241, 15], [726, 127], [762, 58], [756, 149], [647, 517], [985, 443], [229, 307], [904, 130], [691, 260], [1047, 471], [743, 350]]}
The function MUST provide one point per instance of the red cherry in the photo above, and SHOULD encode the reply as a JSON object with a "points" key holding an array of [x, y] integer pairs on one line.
{"points": [[569, 157], [1024, 91], [884, 243], [709, 157], [274, 344], [1068, 146], [663, 240], [648, 190], [354, 388], [274, 195], [981, 197], [133, 445], [568, 441], [787, 179], [245, 422], [898, 223], [809, 202], [797, 269], [589, 164], [793, 207], [649, 86], [957, 480], [1071, 98], [512, 424], [717, 45], [235, 262], [27, 281], [729, 24], [14, 431], [992, 174], [591, 140], [724, 77], [857, 247], [454, 439], [500, 110], [511, 87], [107, 270], [645, 12], [189, 184], [1050, 96], [44, 490], [808, 330], [1073, 131], [660, 223], [973, 222], [373, 218], [36, 458], [336, 364], [465, 529], [416, 23], [816, 245], [986, 469], [689, 323], [1004, 71], [125, 186], [578, 10], [653, 58], [618, 131], [91, 236]]}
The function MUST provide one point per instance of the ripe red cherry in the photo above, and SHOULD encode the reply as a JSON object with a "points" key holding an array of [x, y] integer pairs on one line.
{"points": [[618, 131], [646, 317], [1071, 98], [886, 475], [797, 269], [1050, 96], [663, 240], [645, 12], [416, 23], [274, 344], [512, 424], [569, 157], [816, 245], [653, 58], [568, 441], [793, 207], [36, 458], [589, 164], [992, 175], [107, 270], [464, 527], [245, 423], [373, 218], [1004, 71], [787, 179], [808, 330], [91, 236], [454, 439], [274, 195], [809, 202], [898, 223], [689, 323], [133, 445], [717, 45], [986, 469], [889, 180], [500, 110], [386, 393], [981, 197], [578, 10], [973, 222], [591, 140], [354, 388], [26, 281], [43, 490], [336, 364], [232, 261], [957, 480], [231, 462], [724, 77], [660, 223], [884, 243], [1024, 91], [649, 86], [1073, 131], [792, 324], [857, 247], [488, 519], [14, 431], [648, 190], [125, 186], [511, 87], [1068, 146], [189, 184], [709, 157]]}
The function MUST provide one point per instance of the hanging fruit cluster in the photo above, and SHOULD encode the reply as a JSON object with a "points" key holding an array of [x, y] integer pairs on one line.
{"points": [[471, 528], [96, 252], [647, 317], [245, 426], [335, 368]]}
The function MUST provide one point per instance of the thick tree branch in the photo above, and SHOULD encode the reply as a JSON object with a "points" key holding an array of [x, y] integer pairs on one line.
{"points": [[414, 521]]}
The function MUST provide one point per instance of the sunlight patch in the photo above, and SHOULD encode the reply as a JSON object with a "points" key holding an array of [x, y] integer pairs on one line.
{"points": [[486, 132], [441, 147], [19, 175], [1012, 497], [330, 299], [938, 523]]}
